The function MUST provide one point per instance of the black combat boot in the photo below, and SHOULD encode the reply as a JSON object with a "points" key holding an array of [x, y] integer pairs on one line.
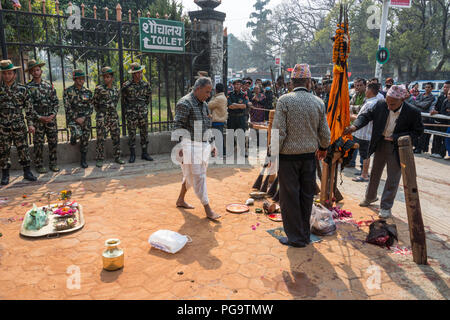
{"points": [[145, 155], [83, 162], [5, 177], [132, 155], [28, 175]]}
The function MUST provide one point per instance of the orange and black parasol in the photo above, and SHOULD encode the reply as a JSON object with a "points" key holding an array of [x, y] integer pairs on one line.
{"points": [[338, 109]]}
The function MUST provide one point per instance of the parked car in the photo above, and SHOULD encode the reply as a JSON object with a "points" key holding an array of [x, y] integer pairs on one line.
{"points": [[437, 86]]}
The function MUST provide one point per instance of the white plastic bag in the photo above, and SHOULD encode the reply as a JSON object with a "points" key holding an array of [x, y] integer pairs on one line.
{"points": [[322, 223], [168, 241]]}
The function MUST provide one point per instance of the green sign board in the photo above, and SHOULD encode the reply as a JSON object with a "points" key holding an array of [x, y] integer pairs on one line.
{"points": [[383, 55], [162, 36]]}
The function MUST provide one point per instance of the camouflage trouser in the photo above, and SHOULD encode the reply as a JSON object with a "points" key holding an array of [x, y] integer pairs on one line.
{"points": [[135, 121], [82, 132], [107, 122], [14, 132], [51, 131]]}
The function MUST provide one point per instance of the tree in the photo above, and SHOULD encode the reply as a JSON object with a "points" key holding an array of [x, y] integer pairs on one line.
{"points": [[261, 42], [417, 37], [239, 54]]}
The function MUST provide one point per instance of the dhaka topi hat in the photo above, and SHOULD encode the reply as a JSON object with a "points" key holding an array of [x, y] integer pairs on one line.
{"points": [[135, 67], [107, 70], [33, 63], [78, 73], [6, 65], [301, 71], [397, 92]]}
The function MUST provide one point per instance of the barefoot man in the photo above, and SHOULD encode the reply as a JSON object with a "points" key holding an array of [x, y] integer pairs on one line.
{"points": [[192, 111]]}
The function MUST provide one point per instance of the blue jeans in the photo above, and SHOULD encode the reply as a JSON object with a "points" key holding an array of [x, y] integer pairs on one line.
{"points": [[220, 126]]}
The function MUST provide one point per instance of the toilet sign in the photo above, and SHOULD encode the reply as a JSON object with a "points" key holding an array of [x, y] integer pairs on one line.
{"points": [[383, 55], [163, 36], [401, 3]]}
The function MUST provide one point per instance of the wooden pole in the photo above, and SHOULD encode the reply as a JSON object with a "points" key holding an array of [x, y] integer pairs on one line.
{"points": [[415, 222], [269, 137]]}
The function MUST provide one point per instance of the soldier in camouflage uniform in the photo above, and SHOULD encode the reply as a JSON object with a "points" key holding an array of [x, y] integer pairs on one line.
{"points": [[105, 100], [14, 99], [78, 104], [45, 106], [136, 95]]}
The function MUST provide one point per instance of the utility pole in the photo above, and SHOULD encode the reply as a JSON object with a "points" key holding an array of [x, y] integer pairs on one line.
{"points": [[382, 39]]}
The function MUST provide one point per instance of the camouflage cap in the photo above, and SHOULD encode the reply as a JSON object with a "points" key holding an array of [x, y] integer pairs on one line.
{"points": [[106, 70], [78, 73], [6, 65], [135, 67], [33, 63]]}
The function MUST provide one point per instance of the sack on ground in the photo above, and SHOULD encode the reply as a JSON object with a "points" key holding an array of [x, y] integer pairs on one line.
{"points": [[168, 241], [322, 223], [36, 219], [382, 234]]}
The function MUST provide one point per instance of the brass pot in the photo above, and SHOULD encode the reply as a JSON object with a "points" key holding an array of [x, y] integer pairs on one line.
{"points": [[113, 257]]}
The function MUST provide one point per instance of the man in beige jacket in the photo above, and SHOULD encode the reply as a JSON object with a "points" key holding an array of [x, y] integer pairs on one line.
{"points": [[219, 111]]}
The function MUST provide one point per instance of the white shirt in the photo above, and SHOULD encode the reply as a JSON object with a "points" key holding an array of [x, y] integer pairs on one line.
{"points": [[391, 122], [365, 133], [380, 96]]}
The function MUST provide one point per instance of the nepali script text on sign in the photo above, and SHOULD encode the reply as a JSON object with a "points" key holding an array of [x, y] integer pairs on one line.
{"points": [[401, 3], [163, 36]]}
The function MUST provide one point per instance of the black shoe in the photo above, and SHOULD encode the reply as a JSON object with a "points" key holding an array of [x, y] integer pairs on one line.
{"points": [[83, 162], [28, 175], [286, 242], [145, 156], [5, 177], [73, 141], [132, 155]]}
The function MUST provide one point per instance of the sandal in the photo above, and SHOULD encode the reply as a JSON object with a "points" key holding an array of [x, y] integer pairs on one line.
{"points": [[360, 179]]}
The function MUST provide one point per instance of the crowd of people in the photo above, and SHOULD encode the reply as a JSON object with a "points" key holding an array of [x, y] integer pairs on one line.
{"points": [[39, 101], [379, 117]]}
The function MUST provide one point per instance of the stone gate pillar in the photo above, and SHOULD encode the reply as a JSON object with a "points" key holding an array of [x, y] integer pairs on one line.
{"points": [[211, 21]]}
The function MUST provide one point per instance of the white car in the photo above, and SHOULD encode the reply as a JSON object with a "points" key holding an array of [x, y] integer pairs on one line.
{"points": [[437, 86]]}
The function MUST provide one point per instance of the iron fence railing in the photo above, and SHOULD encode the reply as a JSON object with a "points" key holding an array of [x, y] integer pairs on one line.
{"points": [[99, 42]]}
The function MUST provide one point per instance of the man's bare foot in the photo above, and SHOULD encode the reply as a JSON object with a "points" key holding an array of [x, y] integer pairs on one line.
{"points": [[211, 214], [184, 204]]}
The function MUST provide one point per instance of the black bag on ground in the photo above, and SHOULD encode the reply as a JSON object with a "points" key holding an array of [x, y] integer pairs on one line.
{"points": [[382, 234]]}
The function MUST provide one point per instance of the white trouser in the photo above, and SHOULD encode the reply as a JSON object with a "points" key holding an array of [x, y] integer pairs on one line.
{"points": [[194, 165]]}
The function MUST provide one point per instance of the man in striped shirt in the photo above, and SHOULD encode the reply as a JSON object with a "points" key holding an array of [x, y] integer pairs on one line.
{"points": [[363, 136]]}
